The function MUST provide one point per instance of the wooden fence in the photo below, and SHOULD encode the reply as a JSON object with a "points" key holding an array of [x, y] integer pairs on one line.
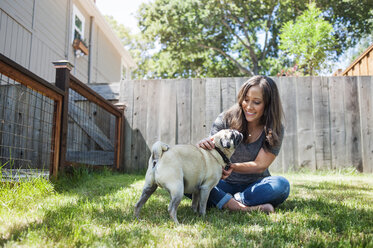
{"points": [[329, 120], [46, 126]]}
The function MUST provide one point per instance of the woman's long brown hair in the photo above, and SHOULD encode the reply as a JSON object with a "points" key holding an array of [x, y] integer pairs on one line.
{"points": [[272, 116]]}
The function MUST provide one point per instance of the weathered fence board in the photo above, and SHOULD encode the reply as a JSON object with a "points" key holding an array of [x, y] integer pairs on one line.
{"points": [[290, 142], [8, 122], [25, 128], [90, 128], [184, 110], [167, 112], [45, 136], [365, 90], [153, 115], [198, 110], [352, 121], [17, 121], [320, 103], [337, 122], [139, 124], [327, 119], [228, 92], [3, 98], [85, 157], [213, 101], [306, 146], [126, 96], [239, 83], [37, 134]]}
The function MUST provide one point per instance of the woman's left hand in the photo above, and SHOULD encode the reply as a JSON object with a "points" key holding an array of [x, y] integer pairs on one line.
{"points": [[226, 173]]}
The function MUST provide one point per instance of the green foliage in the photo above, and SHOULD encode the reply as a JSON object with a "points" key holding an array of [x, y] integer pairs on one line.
{"points": [[213, 38], [351, 20], [16, 195], [204, 38], [123, 33], [360, 48], [95, 209], [309, 40]]}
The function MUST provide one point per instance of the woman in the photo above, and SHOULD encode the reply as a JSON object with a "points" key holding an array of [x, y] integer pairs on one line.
{"points": [[248, 185]]}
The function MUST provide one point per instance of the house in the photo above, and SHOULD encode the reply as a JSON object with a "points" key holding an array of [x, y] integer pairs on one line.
{"points": [[36, 33], [362, 66]]}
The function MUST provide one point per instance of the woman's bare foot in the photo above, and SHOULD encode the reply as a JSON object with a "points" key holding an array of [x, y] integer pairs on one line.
{"points": [[234, 205], [266, 208]]}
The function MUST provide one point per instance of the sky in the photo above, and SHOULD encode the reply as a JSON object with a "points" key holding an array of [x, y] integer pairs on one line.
{"points": [[123, 11]]}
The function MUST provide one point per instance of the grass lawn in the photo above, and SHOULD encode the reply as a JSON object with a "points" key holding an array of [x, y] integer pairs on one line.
{"points": [[324, 209]]}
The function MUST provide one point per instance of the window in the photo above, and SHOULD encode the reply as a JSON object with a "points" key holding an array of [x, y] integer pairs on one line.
{"points": [[78, 24]]}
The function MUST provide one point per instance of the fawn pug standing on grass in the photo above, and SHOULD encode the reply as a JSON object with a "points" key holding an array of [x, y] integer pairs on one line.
{"points": [[188, 169]]}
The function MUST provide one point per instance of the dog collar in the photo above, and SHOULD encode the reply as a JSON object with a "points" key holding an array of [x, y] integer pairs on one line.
{"points": [[226, 160]]}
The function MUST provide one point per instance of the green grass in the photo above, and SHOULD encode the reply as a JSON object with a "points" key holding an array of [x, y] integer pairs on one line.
{"points": [[95, 209]]}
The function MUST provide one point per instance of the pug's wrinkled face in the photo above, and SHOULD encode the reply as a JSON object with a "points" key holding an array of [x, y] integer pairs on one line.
{"points": [[228, 139]]}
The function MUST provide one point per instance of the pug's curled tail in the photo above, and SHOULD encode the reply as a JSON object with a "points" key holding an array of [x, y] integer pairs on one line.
{"points": [[157, 150]]}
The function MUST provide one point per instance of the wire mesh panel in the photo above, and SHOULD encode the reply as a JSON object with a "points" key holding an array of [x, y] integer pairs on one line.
{"points": [[43, 126], [91, 132], [26, 127]]}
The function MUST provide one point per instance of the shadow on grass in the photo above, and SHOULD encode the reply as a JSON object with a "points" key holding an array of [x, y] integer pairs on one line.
{"points": [[90, 206], [73, 232], [103, 212], [335, 186], [86, 184], [325, 214]]}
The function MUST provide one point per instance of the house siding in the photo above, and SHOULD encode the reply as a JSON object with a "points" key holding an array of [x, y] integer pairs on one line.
{"points": [[22, 11], [15, 39], [35, 33], [33, 42], [48, 42], [106, 72], [50, 23]]}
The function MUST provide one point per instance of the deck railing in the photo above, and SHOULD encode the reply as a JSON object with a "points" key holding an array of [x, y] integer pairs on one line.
{"points": [[48, 127]]}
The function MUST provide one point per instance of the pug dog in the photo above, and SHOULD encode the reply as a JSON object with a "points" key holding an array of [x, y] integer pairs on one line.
{"points": [[188, 169]]}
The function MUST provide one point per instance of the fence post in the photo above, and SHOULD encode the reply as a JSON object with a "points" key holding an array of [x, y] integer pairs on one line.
{"points": [[120, 137], [63, 68]]}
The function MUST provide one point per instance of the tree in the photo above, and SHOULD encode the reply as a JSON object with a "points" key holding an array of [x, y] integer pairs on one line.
{"points": [[309, 40], [123, 33], [202, 38], [363, 45]]}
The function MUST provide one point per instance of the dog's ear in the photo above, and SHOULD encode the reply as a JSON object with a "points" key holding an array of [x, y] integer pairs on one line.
{"points": [[238, 138], [225, 143]]}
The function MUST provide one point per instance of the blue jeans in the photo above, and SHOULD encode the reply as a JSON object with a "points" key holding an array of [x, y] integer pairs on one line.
{"points": [[272, 189]]}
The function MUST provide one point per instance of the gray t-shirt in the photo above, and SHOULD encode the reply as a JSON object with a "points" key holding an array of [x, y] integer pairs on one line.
{"points": [[244, 153]]}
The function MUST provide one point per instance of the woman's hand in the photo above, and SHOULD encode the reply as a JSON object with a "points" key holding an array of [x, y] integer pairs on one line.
{"points": [[206, 143], [226, 173]]}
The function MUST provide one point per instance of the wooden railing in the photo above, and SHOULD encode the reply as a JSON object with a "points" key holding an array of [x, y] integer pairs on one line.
{"points": [[35, 132], [77, 153], [11, 70]]}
